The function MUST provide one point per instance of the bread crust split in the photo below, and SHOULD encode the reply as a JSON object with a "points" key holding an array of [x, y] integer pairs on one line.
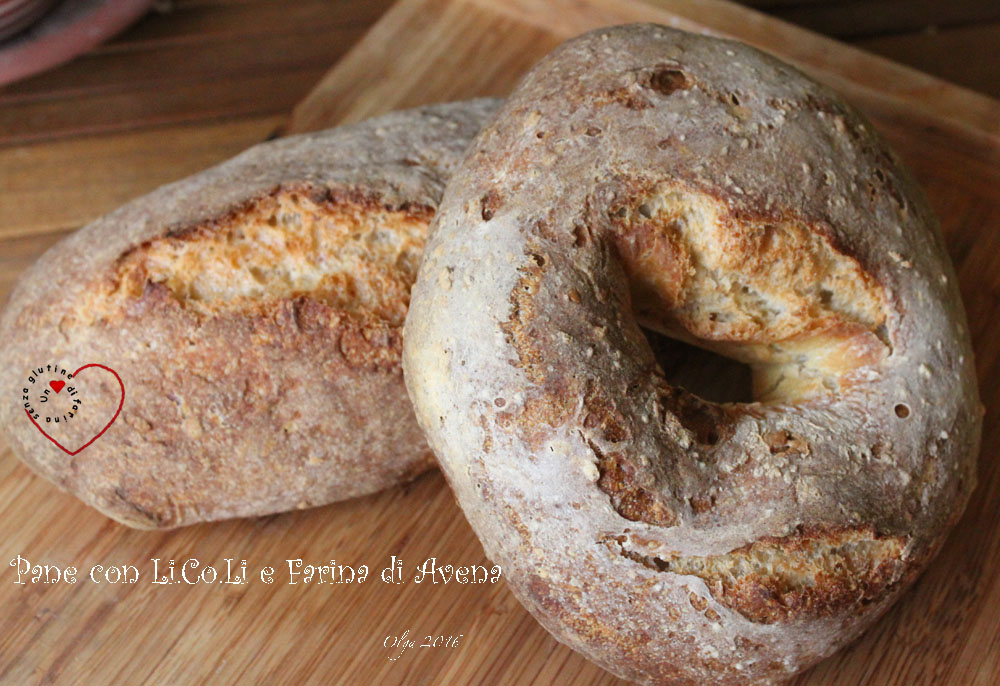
{"points": [[254, 314], [645, 177]]}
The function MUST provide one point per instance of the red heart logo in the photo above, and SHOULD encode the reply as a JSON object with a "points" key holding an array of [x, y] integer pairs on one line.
{"points": [[57, 385], [121, 402]]}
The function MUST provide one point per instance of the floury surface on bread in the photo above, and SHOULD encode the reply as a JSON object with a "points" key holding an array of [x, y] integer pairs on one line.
{"points": [[645, 176], [253, 312]]}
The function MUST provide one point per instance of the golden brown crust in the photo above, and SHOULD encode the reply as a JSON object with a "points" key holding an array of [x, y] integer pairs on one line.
{"points": [[645, 176], [813, 572], [337, 246], [254, 314]]}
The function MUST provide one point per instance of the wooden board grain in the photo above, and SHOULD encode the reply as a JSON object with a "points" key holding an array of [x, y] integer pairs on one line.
{"points": [[194, 61], [943, 632]]}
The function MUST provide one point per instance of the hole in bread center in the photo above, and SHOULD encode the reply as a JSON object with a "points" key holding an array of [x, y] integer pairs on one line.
{"points": [[706, 374], [775, 295]]}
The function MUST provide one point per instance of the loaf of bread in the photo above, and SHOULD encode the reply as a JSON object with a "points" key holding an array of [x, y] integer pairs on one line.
{"points": [[253, 314], [645, 177]]}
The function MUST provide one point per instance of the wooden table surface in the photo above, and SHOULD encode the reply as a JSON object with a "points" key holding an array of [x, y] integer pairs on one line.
{"points": [[957, 40], [198, 64], [200, 80], [195, 62]]}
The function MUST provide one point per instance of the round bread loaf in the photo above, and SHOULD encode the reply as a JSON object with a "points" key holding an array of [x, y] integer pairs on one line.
{"points": [[645, 177], [253, 313]]}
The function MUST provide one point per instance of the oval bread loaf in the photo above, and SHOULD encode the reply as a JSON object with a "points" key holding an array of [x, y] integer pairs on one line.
{"points": [[641, 176], [253, 312]]}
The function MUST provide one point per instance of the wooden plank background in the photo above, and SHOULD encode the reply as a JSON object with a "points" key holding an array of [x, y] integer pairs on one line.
{"points": [[202, 79], [198, 80], [957, 40]]}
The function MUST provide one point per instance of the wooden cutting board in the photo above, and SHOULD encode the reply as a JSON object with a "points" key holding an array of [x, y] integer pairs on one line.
{"points": [[945, 631]]}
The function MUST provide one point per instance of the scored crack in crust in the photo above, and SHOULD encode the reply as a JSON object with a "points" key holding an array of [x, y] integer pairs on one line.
{"points": [[645, 177], [345, 250], [254, 314], [765, 290], [813, 572]]}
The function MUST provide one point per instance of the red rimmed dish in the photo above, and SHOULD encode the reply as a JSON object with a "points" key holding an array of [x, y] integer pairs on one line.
{"points": [[57, 34], [17, 15]]}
